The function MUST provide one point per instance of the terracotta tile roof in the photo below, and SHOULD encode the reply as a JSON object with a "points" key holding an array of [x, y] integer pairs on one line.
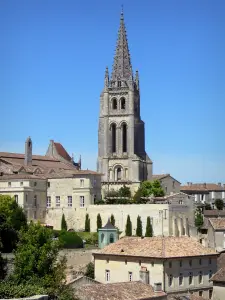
{"points": [[159, 176], [62, 151], [21, 176], [159, 247], [133, 290], [214, 213], [204, 187], [219, 276], [221, 260], [217, 223], [162, 176], [21, 156]]}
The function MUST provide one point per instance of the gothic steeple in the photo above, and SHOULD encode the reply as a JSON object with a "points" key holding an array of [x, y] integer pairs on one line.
{"points": [[122, 69]]}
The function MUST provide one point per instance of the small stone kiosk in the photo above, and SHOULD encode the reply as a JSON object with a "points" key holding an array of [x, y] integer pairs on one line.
{"points": [[107, 235]]}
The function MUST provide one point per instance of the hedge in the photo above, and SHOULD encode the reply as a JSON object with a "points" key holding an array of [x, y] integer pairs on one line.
{"points": [[69, 240]]}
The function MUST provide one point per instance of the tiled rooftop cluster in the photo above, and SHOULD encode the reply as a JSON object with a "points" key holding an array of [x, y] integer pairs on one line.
{"points": [[217, 223], [161, 247], [204, 187], [134, 290]]}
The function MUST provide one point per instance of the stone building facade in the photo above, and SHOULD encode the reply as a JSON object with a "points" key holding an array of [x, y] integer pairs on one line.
{"points": [[122, 158], [180, 264]]}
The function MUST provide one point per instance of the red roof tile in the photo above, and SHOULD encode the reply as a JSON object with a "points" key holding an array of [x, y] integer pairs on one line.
{"points": [[62, 151]]}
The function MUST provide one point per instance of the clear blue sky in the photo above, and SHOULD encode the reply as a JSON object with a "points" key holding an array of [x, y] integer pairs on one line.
{"points": [[53, 56]]}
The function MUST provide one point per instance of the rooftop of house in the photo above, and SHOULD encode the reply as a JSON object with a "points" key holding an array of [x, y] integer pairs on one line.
{"points": [[134, 290], [214, 213], [202, 187], [157, 247], [219, 276], [217, 223], [221, 260], [162, 176]]}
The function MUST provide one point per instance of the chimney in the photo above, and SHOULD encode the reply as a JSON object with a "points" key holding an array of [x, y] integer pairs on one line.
{"points": [[28, 152], [204, 185], [144, 275], [157, 287], [219, 184]]}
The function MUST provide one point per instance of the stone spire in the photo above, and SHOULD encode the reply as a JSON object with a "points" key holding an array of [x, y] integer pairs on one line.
{"points": [[122, 69], [106, 77]]}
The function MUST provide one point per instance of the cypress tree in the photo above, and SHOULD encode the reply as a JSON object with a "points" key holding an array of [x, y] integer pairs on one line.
{"points": [[149, 230], [63, 223], [99, 221], [87, 223], [128, 227], [112, 220], [139, 227]]}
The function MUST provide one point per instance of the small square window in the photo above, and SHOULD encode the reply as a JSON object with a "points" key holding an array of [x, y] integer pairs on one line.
{"points": [[200, 261], [9, 184], [16, 198], [81, 201], [107, 260], [139, 262], [81, 182], [107, 275], [130, 276], [181, 263], [125, 262], [21, 183], [210, 294], [181, 279], [190, 278], [70, 201], [210, 261], [170, 280], [57, 201], [200, 277], [200, 293], [48, 204], [170, 264], [152, 263], [48, 184]]}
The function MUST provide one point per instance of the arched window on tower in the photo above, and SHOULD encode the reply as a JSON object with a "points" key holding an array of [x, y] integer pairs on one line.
{"points": [[124, 137], [113, 133], [119, 172], [114, 103], [122, 103], [111, 238]]}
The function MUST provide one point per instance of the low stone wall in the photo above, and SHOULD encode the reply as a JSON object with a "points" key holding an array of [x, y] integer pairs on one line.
{"points": [[37, 297]]}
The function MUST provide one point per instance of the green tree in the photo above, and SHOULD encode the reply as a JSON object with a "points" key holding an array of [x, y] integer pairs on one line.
{"points": [[219, 204], [99, 221], [128, 227], [149, 230], [90, 270], [87, 223], [157, 190], [137, 196], [12, 219], [198, 219], [208, 206], [151, 188], [112, 220], [44, 267], [124, 191], [63, 223], [139, 227]]}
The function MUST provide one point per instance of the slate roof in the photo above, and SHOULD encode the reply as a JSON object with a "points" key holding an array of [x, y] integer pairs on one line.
{"points": [[109, 225], [157, 247], [217, 223], [133, 290]]}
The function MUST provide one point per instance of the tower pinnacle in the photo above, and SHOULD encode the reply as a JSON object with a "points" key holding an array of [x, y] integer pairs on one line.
{"points": [[122, 69]]}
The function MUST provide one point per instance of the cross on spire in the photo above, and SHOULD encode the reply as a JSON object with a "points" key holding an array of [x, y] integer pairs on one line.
{"points": [[122, 68]]}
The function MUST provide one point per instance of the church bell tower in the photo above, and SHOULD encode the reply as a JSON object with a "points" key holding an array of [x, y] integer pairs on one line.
{"points": [[121, 134]]}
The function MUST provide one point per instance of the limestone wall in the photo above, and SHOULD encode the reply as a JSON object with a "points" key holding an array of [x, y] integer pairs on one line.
{"points": [[75, 217]]}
